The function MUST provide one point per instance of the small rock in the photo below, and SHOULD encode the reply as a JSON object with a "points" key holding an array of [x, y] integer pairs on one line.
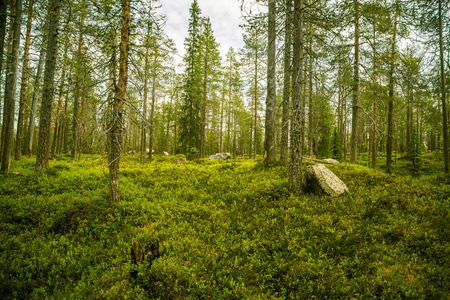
{"points": [[165, 153], [181, 161], [220, 156], [331, 161], [319, 179]]}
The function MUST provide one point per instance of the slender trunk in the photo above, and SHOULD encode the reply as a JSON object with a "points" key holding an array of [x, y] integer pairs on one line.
{"points": [[310, 96], [43, 154], [203, 121], [374, 150], [286, 85], [10, 90], [34, 101], [57, 130], [78, 83], [152, 114], [221, 122], [229, 106], [255, 134], [9, 54], [271, 100], [390, 129], [295, 165], [444, 97], [3, 8], [116, 133], [23, 86], [355, 100], [144, 112]]}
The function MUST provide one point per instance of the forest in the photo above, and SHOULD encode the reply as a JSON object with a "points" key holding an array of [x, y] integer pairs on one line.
{"points": [[110, 186]]}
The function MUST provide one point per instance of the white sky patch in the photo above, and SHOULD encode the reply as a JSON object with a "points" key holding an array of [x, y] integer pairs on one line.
{"points": [[225, 16]]}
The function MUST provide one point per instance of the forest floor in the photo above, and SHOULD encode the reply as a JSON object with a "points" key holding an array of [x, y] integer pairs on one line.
{"points": [[221, 230]]}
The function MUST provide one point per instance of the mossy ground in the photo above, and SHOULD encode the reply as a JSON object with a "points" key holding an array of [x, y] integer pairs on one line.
{"points": [[225, 230]]}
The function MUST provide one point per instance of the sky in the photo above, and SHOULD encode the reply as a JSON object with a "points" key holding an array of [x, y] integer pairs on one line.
{"points": [[225, 16]]}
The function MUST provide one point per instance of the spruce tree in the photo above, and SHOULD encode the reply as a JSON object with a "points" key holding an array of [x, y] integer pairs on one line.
{"points": [[190, 120]]}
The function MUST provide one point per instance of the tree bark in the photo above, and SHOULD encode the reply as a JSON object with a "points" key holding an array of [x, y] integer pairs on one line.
{"points": [[78, 89], [44, 145], [295, 165], [144, 109], [3, 8], [57, 130], [355, 99], [10, 90], [117, 109], [443, 94], [390, 124], [284, 149], [23, 86], [271, 100], [34, 102]]}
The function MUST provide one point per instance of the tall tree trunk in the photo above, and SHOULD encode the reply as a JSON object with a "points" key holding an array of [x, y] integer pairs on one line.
{"points": [[284, 151], [43, 154], [57, 130], [117, 109], [310, 94], [203, 115], [271, 100], [443, 94], [34, 101], [374, 149], [390, 124], [78, 90], [295, 165], [10, 90], [3, 8], [152, 114], [355, 99], [144, 109], [23, 86], [255, 124]]}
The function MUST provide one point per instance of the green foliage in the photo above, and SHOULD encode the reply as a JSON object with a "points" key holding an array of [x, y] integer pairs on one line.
{"points": [[336, 146], [224, 230], [415, 159]]}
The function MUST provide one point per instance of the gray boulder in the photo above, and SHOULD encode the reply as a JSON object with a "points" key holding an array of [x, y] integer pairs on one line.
{"points": [[331, 161], [320, 180], [220, 156]]}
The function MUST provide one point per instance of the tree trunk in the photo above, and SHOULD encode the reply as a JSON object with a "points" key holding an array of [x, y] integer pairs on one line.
{"points": [[355, 100], [390, 124], [443, 94], [10, 90], [34, 102], [255, 134], [310, 96], [271, 100], [43, 154], [57, 130], [203, 120], [374, 150], [117, 109], [3, 8], [144, 109], [284, 151], [78, 83], [23, 86], [152, 115], [295, 165]]}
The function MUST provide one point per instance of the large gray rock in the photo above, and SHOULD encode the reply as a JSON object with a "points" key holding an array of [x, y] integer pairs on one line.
{"points": [[319, 180], [220, 156], [331, 161]]}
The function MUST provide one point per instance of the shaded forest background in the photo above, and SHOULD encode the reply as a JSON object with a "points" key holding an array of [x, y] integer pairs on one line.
{"points": [[315, 78]]}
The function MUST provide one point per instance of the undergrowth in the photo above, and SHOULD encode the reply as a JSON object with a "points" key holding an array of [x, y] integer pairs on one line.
{"points": [[221, 230]]}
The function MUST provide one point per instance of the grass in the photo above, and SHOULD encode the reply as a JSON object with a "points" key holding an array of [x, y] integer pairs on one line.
{"points": [[222, 230]]}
